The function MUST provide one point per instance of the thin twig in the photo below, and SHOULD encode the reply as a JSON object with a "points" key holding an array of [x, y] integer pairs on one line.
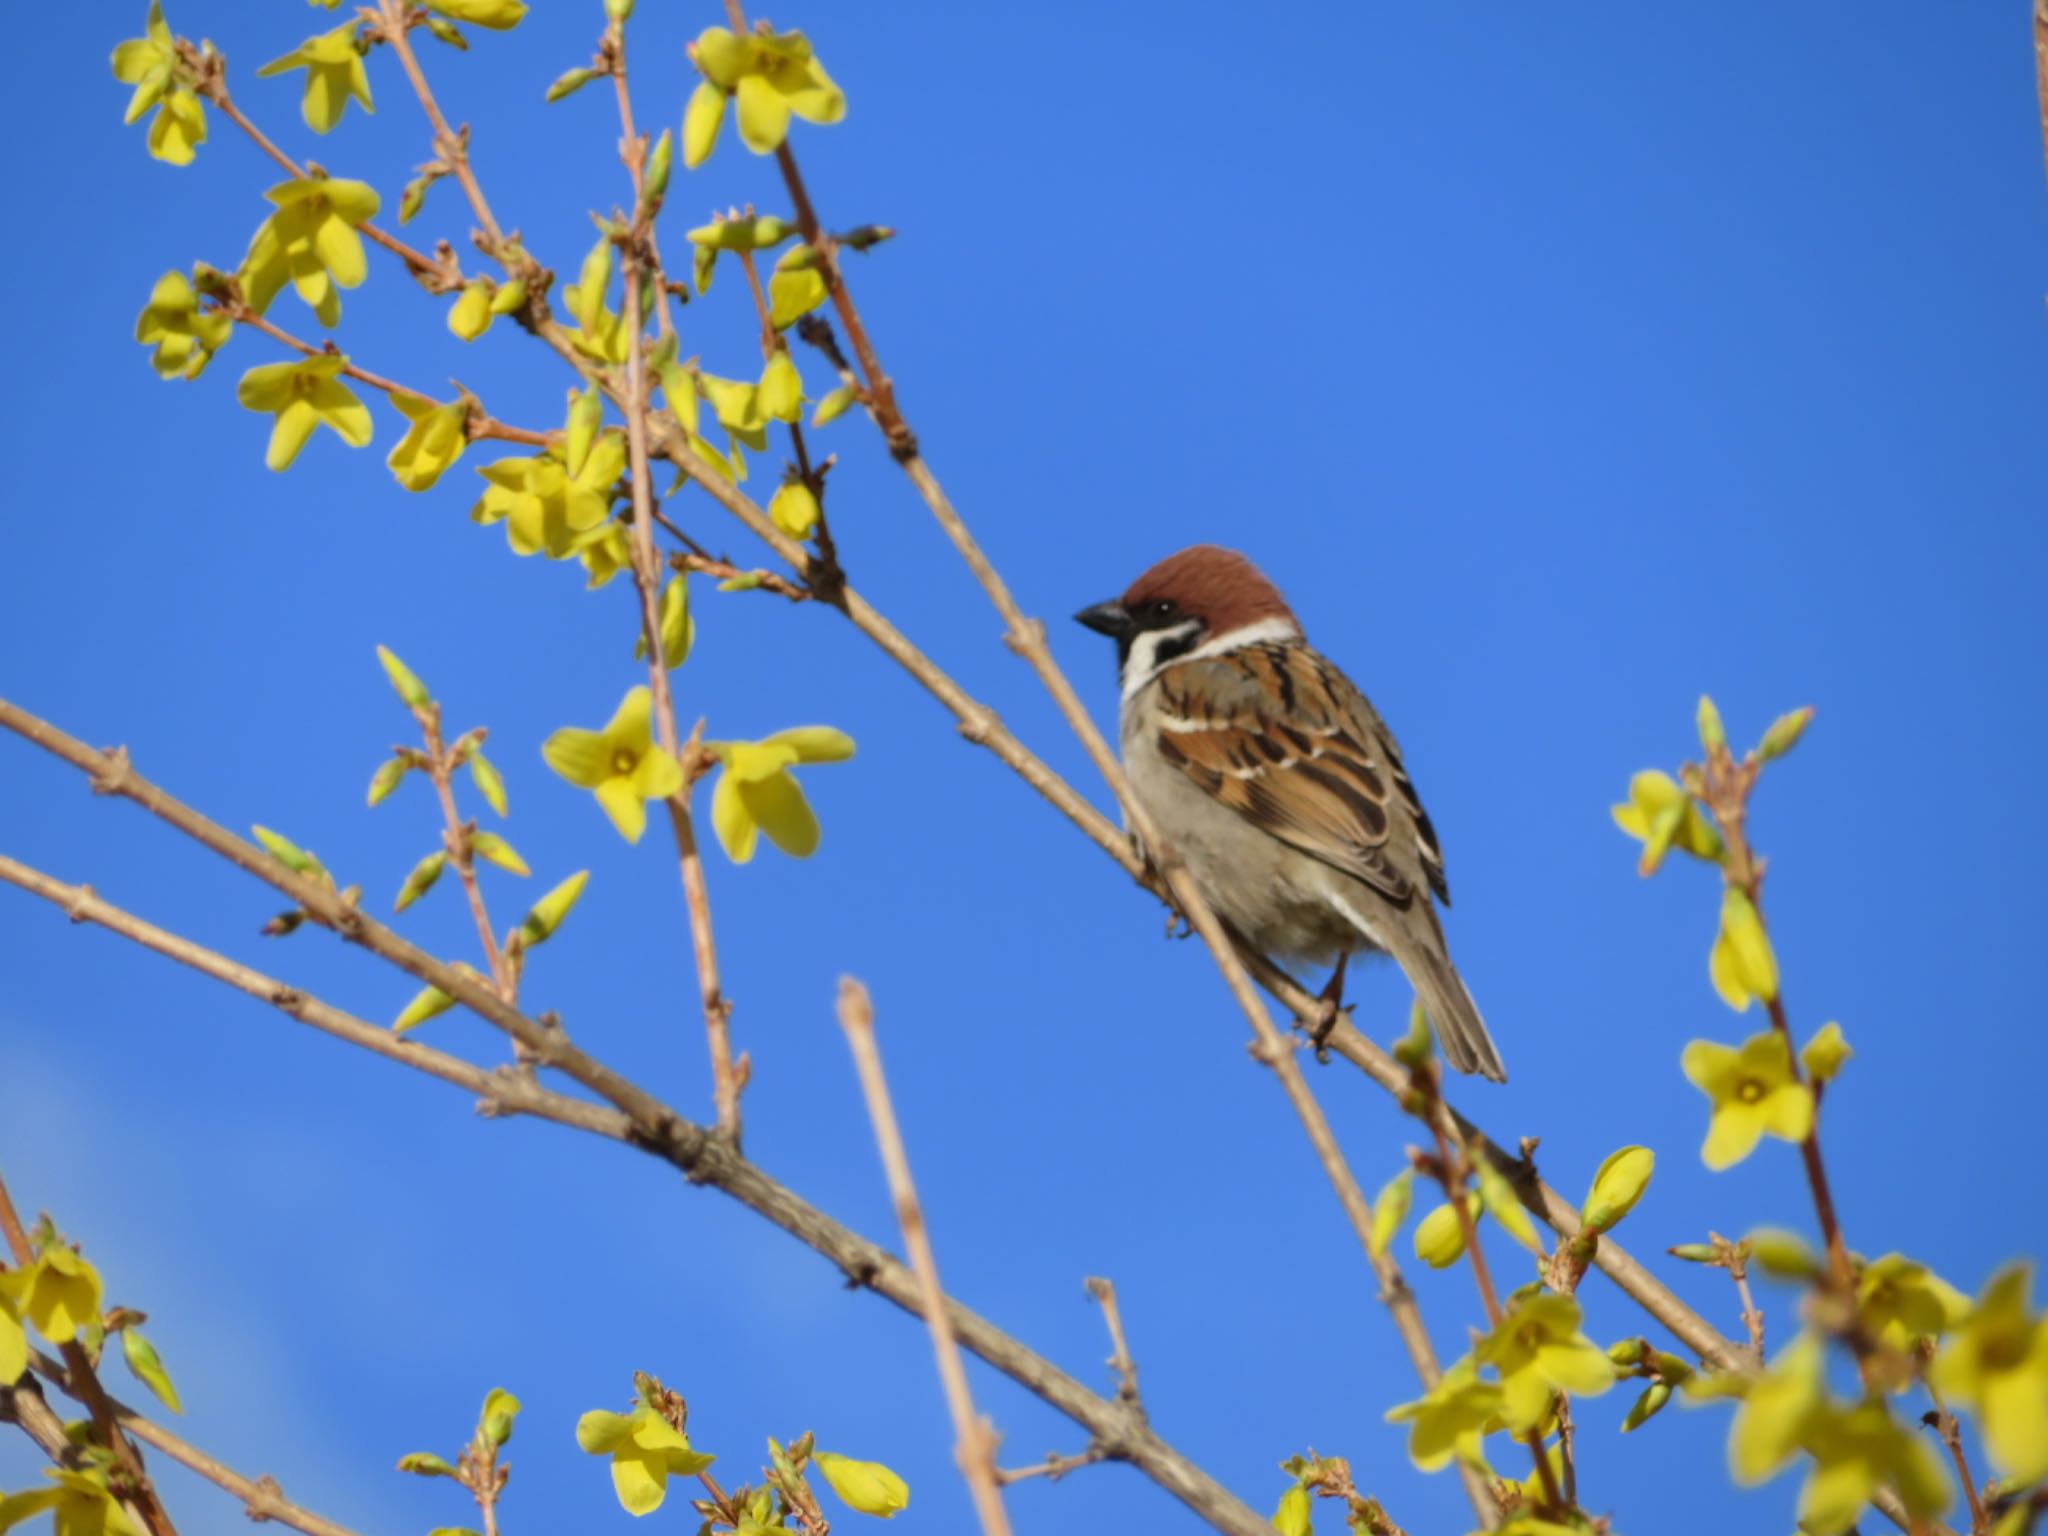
{"points": [[975, 1447], [726, 1078], [452, 147], [213, 85], [1120, 1359], [455, 839], [1944, 1424], [2041, 65], [479, 425]]}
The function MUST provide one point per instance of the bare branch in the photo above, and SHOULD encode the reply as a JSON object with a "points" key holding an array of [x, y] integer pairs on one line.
{"points": [[726, 1080], [975, 1443]]}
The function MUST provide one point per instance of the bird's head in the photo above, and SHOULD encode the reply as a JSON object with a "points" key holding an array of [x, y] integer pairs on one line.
{"points": [[1205, 598]]}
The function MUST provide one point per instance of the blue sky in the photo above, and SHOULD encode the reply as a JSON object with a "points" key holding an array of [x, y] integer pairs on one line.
{"points": [[1559, 363]]}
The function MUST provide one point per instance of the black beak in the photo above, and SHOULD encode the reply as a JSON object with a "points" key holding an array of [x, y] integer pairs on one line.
{"points": [[1111, 618]]}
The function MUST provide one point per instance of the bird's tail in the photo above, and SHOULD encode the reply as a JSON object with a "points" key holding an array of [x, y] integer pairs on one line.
{"points": [[1459, 1029]]}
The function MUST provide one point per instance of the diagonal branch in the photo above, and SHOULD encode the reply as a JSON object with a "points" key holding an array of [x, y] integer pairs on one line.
{"points": [[701, 1156], [261, 1496]]}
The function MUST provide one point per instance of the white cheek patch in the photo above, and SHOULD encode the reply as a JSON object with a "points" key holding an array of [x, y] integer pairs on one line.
{"points": [[1144, 661]]}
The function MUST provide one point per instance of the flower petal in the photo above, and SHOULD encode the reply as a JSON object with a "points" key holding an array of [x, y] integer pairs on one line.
{"points": [[778, 805], [581, 757], [629, 726], [1708, 1065], [1732, 1135], [814, 743], [731, 819], [622, 802], [1788, 1112], [288, 434]]}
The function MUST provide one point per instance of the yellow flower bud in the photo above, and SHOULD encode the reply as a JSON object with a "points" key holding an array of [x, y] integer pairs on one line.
{"points": [[1413, 1049], [388, 776], [1390, 1209], [427, 1003], [421, 880], [781, 390], [1440, 1236], [702, 119], [1742, 964], [471, 315], [1617, 1186], [547, 914], [1712, 736], [865, 1486], [834, 405], [586, 415], [1292, 1517], [409, 687], [1655, 1396], [1783, 1255], [794, 509], [1784, 733], [1825, 1053]]}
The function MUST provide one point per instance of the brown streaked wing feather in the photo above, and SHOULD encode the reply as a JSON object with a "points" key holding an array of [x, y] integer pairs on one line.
{"points": [[1282, 738]]}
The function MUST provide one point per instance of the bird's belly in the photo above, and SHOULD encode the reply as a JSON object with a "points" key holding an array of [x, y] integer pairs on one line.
{"points": [[1276, 896]]}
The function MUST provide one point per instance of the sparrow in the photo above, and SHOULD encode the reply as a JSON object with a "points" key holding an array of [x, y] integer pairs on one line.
{"points": [[1279, 786]]}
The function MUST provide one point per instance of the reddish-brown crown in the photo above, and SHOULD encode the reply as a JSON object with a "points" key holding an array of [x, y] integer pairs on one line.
{"points": [[1218, 586]]}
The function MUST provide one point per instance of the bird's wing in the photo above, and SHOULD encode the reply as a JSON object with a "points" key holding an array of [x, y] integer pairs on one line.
{"points": [[1283, 738]]}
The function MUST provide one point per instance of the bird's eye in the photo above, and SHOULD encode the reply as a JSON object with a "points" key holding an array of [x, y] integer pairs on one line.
{"points": [[1159, 612]]}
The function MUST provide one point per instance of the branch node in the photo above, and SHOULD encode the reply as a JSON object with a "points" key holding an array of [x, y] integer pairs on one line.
{"points": [[111, 777]]}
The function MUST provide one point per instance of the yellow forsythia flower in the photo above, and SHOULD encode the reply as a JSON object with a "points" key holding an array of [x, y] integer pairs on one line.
{"points": [[770, 77], [1753, 1093], [58, 1294], [619, 764], [1900, 1301], [1538, 1349], [756, 793], [185, 336], [1858, 1450], [1661, 815], [432, 443], [310, 242], [1997, 1365], [644, 1449], [1451, 1418], [304, 395], [545, 509], [150, 64], [334, 74]]}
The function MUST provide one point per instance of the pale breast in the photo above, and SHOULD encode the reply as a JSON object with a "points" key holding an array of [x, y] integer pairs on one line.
{"points": [[1275, 896]]}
